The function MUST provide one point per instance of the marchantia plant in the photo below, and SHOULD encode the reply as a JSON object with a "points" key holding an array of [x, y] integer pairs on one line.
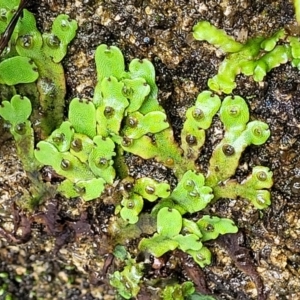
{"points": [[255, 58], [40, 76], [125, 116]]}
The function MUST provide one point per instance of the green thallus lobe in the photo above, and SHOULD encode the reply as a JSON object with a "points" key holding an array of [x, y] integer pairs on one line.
{"points": [[254, 58]]}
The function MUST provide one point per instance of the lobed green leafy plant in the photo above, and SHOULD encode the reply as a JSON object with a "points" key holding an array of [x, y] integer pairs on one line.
{"points": [[127, 281], [30, 65], [32, 59], [87, 149], [178, 291], [254, 58], [120, 118], [82, 148]]}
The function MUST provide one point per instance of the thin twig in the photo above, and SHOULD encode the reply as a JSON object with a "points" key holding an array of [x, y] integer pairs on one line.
{"points": [[11, 26]]}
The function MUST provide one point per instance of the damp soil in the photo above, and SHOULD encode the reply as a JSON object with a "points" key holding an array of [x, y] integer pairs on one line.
{"points": [[63, 249]]}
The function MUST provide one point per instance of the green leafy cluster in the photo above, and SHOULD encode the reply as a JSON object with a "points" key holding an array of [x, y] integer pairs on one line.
{"points": [[33, 60], [173, 232], [30, 65], [124, 115], [127, 281], [120, 117], [82, 148], [178, 291], [254, 58]]}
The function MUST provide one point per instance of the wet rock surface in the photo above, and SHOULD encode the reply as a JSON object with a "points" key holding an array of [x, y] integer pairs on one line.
{"points": [[62, 250]]}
